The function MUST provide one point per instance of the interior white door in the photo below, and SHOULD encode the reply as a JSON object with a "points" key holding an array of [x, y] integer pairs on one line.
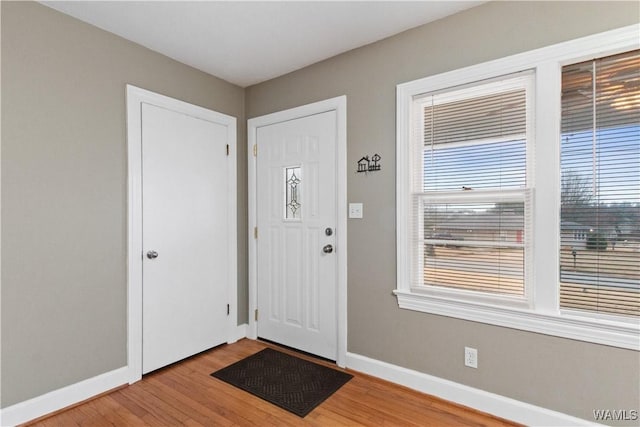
{"points": [[185, 259], [296, 218]]}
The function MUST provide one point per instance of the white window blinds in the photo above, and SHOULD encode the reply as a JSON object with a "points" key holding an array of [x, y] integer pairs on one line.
{"points": [[471, 207], [600, 188]]}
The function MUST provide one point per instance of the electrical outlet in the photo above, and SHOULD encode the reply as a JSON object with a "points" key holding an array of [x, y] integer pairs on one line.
{"points": [[470, 357]]}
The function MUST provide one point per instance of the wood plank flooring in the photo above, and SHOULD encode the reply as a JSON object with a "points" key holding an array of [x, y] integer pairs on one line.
{"points": [[184, 394]]}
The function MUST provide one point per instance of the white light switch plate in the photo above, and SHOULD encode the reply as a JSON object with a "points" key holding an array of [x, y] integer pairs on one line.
{"points": [[355, 210]]}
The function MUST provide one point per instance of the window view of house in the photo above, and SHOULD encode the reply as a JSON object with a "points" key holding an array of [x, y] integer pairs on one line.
{"points": [[474, 162], [474, 199], [600, 189], [475, 246]]}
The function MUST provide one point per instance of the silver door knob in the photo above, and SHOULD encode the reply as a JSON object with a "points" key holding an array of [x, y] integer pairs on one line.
{"points": [[327, 249], [152, 254]]}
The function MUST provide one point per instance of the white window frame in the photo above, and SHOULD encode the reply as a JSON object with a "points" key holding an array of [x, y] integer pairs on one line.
{"points": [[522, 81], [542, 314]]}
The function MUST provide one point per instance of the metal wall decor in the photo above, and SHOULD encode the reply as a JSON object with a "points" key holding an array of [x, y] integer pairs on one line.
{"points": [[367, 164], [293, 205]]}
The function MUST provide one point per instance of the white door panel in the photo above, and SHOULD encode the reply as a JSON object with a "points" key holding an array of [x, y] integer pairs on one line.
{"points": [[184, 193], [296, 203]]}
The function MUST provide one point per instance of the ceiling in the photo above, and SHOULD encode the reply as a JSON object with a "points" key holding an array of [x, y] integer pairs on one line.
{"points": [[247, 42]]}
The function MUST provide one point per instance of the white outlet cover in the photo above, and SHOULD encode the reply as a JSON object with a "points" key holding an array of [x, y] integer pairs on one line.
{"points": [[355, 210], [470, 357]]}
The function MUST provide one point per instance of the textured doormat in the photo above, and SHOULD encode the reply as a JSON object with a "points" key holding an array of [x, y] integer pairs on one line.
{"points": [[289, 382]]}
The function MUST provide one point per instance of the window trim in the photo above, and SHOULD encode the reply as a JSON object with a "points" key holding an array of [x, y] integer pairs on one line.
{"points": [[544, 315]]}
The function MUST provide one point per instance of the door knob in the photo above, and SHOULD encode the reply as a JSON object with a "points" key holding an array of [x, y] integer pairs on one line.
{"points": [[327, 249], [152, 254]]}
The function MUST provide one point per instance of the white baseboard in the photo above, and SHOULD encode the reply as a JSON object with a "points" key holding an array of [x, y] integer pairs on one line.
{"points": [[237, 334], [74, 393], [63, 397], [480, 400]]}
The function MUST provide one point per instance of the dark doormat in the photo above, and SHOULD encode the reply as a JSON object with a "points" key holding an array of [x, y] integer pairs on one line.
{"points": [[289, 382]]}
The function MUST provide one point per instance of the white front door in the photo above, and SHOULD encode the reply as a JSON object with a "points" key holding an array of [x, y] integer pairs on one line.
{"points": [[184, 235], [297, 235]]}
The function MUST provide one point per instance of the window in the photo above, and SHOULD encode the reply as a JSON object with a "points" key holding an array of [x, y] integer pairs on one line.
{"points": [[293, 206], [469, 189], [518, 191], [600, 187]]}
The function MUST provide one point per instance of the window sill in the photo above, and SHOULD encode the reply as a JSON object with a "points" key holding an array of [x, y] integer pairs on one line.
{"points": [[566, 325]]}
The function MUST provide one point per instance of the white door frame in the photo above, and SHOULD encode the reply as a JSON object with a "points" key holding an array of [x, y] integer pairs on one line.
{"points": [[339, 105], [135, 97]]}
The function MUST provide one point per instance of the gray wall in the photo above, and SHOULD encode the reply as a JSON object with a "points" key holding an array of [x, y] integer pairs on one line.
{"points": [[568, 376], [64, 192], [64, 200]]}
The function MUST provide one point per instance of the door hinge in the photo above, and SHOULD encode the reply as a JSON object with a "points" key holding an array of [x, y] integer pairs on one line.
{"points": [[256, 315], [255, 150], [255, 232], [227, 149], [228, 309]]}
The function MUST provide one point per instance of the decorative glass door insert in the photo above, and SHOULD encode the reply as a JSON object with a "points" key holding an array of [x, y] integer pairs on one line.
{"points": [[293, 205]]}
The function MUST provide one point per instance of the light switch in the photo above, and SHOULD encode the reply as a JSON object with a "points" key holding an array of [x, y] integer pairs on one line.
{"points": [[355, 210]]}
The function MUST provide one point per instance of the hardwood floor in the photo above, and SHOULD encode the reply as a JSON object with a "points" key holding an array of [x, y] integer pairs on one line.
{"points": [[184, 394]]}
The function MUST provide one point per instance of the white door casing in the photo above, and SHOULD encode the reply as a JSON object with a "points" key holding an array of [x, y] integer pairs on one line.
{"points": [[300, 290], [153, 125]]}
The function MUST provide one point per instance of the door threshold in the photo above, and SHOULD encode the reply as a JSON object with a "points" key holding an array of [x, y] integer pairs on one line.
{"points": [[295, 350]]}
